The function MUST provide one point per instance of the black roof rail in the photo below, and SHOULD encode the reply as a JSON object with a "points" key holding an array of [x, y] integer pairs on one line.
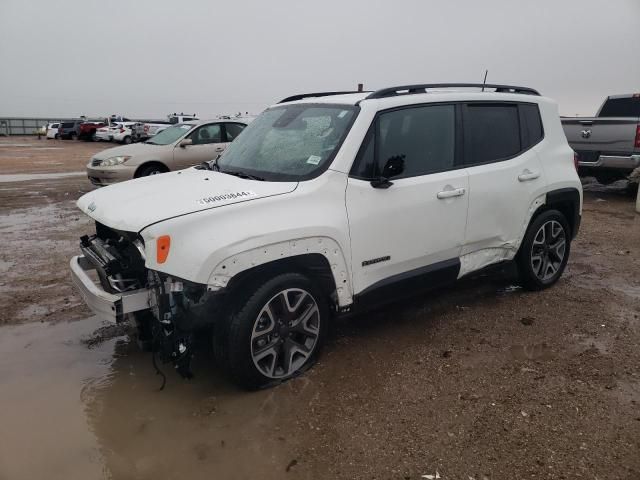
{"points": [[423, 88], [318, 94]]}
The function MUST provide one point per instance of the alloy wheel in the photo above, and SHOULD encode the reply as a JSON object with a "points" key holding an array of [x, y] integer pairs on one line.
{"points": [[548, 250], [285, 333]]}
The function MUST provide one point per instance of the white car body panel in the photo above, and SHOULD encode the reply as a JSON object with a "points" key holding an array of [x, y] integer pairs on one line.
{"points": [[128, 205], [407, 223]]}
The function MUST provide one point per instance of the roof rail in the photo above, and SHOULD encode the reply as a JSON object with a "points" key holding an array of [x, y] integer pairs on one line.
{"points": [[309, 95], [423, 88]]}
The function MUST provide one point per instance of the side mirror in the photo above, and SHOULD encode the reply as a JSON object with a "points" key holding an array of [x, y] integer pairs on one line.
{"points": [[186, 142], [393, 168]]}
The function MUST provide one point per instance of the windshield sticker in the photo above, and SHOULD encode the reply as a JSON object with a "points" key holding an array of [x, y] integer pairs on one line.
{"points": [[343, 113], [225, 196], [314, 160]]}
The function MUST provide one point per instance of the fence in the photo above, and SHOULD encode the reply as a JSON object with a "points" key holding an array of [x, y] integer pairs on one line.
{"points": [[30, 126], [25, 126]]}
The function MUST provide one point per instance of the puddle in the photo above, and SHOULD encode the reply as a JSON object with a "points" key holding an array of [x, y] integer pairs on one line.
{"points": [[25, 177], [69, 411]]}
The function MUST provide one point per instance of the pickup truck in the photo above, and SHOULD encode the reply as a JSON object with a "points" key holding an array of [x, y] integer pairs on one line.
{"points": [[148, 130], [88, 130], [608, 145]]}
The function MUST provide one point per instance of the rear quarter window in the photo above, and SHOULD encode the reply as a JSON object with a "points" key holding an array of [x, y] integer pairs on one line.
{"points": [[491, 132], [531, 124]]}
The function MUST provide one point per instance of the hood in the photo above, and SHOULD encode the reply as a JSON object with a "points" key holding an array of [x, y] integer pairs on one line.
{"points": [[135, 204], [134, 149]]}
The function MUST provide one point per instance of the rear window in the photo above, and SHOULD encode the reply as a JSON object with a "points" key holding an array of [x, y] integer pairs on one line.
{"points": [[67, 124], [492, 132], [621, 107]]}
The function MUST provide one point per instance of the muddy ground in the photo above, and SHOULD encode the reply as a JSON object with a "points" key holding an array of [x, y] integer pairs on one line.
{"points": [[478, 381]]}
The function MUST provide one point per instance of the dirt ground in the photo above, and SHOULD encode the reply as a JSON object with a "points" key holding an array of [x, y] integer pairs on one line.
{"points": [[478, 381]]}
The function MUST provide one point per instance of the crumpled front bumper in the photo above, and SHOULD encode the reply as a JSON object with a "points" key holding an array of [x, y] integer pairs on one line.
{"points": [[108, 306]]}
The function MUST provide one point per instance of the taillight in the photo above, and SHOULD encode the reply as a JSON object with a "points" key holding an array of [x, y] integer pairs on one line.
{"points": [[122, 130], [575, 160], [636, 143]]}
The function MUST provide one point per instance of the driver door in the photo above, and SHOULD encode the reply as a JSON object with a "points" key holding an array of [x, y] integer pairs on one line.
{"points": [[408, 233], [207, 145]]}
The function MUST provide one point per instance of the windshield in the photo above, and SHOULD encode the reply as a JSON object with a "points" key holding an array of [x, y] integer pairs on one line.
{"points": [[291, 142], [169, 135]]}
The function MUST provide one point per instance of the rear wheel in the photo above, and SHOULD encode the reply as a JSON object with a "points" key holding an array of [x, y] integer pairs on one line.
{"points": [[73, 136], [57, 136], [277, 332], [127, 140], [544, 251]]}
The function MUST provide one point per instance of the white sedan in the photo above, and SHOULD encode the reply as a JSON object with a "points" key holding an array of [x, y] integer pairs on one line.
{"points": [[123, 132], [52, 130]]}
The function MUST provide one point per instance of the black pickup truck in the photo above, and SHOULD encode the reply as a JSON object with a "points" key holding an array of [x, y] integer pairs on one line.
{"points": [[608, 145]]}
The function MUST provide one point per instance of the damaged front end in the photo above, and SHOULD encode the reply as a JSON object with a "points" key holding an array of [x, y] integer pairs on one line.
{"points": [[167, 311]]}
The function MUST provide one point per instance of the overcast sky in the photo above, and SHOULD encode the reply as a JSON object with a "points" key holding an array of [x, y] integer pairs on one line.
{"points": [[147, 58]]}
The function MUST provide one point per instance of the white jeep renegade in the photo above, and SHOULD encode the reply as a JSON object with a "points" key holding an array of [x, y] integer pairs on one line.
{"points": [[331, 203]]}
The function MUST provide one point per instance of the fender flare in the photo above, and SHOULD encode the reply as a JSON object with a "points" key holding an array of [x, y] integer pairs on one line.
{"points": [[228, 268]]}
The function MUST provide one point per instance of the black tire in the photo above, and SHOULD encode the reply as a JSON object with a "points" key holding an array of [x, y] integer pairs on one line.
{"points": [[239, 347], [73, 136], [93, 137], [127, 140], [153, 169], [536, 263], [57, 136], [632, 189]]}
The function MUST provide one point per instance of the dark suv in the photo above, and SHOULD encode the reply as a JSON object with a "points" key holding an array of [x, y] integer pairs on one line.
{"points": [[70, 130]]}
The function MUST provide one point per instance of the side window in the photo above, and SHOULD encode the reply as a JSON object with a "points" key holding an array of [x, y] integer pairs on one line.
{"points": [[423, 136], [211, 133], [233, 130], [491, 132], [531, 125]]}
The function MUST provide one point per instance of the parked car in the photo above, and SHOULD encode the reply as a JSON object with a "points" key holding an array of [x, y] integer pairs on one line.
{"points": [[123, 132], [607, 145], [88, 130], [103, 134], [177, 147], [52, 130], [149, 129], [329, 204], [69, 130]]}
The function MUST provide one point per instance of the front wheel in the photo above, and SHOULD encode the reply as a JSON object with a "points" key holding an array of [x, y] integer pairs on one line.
{"points": [[544, 251], [152, 169], [277, 332], [127, 140]]}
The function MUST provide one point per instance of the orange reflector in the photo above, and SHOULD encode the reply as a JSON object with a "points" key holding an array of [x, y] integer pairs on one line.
{"points": [[162, 248]]}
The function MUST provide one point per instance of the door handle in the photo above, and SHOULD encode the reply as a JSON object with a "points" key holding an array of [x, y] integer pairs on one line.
{"points": [[220, 149], [454, 192], [528, 175]]}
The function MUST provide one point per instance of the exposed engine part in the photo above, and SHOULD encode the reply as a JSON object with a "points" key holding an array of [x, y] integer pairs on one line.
{"points": [[170, 342]]}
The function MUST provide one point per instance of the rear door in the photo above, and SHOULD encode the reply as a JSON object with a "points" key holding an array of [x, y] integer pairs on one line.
{"points": [[415, 227], [207, 144], [505, 176]]}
